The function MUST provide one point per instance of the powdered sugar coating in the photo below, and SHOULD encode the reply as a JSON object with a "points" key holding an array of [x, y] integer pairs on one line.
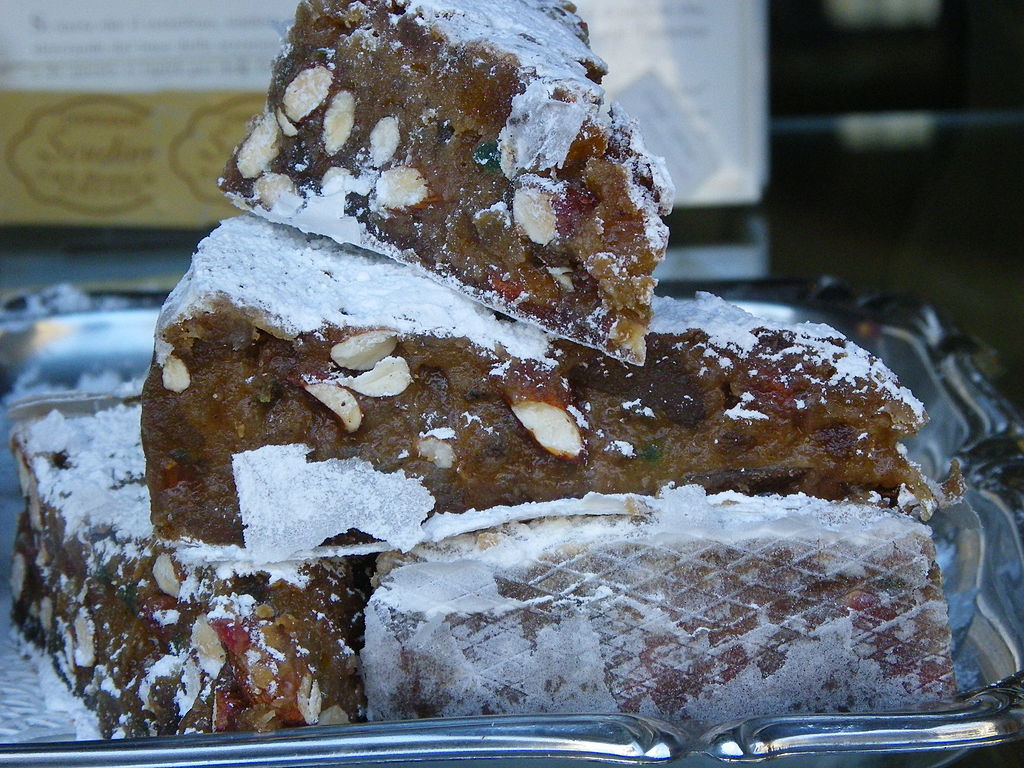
{"points": [[100, 486], [323, 500], [28, 673], [522, 29], [692, 607], [296, 284]]}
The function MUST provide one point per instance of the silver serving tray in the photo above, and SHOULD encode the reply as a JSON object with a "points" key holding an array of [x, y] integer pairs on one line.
{"points": [[979, 542]]}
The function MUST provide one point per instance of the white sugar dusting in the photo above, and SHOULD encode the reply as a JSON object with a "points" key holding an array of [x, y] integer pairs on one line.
{"points": [[739, 412], [667, 611], [290, 505], [295, 284], [99, 481], [33, 680], [559, 97], [522, 28]]}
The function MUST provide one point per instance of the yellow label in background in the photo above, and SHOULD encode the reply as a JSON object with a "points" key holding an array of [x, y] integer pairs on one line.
{"points": [[143, 159]]}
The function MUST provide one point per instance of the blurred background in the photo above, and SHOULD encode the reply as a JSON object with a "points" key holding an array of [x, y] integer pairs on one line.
{"points": [[877, 141]]}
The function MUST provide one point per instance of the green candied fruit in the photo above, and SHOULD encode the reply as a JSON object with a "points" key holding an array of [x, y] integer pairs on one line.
{"points": [[128, 594], [651, 452], [488, 155]]}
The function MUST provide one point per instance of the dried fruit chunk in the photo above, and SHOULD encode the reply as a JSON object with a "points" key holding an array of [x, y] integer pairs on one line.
{"points": [[478, 110]]}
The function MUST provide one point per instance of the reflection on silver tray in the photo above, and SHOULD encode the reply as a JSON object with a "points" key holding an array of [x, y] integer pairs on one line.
{"points": [[979, 543]]}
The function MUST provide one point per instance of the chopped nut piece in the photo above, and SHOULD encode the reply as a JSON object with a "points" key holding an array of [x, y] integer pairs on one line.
{"points": [[338, 121], [309, 700], [191, 685], [342, 402], [384, 140], [165, 575], [532, 210], [35, 512], [334, 180], [388, 378], [307, 92], [563, 276], [488, 539], [175, 375], [45, 612], [631, 335], [260, 148], [287, 127], [552, 427], [69, 650], [363, 351], [401, 187], [43, 555], [85, 649], [271, 187], [208, 646], [437, 451], [333, 715], [25, 480], [17, 575]]}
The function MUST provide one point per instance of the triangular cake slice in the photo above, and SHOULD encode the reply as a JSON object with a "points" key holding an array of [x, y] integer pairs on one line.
{"points": [[470, 137], [276, 339]]}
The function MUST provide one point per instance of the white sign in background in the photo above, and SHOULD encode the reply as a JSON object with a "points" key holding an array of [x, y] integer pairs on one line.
{"points": [[693, 72], [130, 46]]}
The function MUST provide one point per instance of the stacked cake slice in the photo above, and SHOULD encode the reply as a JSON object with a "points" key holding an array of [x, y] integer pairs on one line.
{"points": [[544, 488], [367, 362], [151, 639]]}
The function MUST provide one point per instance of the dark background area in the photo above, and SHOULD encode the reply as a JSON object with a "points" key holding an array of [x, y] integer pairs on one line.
{"points": [[922, 190]]}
